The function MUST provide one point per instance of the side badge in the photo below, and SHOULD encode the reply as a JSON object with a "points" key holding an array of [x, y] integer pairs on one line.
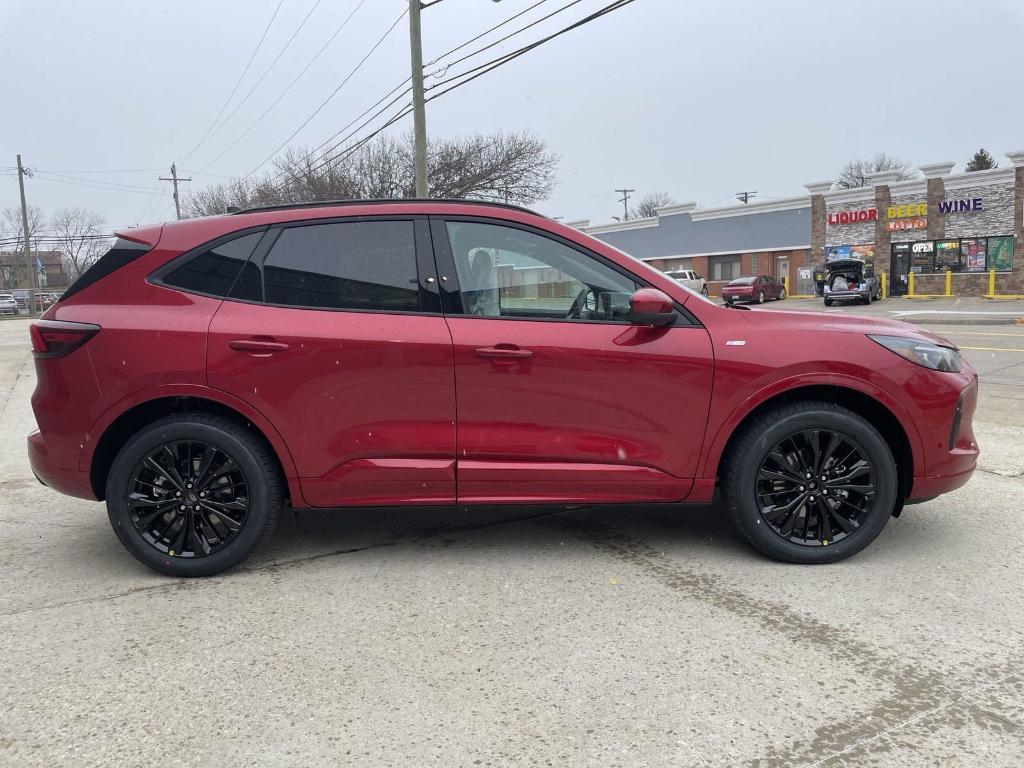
{"points": [[735, 343]]}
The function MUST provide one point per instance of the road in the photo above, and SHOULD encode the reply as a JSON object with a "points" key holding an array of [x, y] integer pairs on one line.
{"points": [[617, 636]]}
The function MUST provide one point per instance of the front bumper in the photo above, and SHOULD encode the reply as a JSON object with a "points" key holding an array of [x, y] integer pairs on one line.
{"points": [[69, 481]]}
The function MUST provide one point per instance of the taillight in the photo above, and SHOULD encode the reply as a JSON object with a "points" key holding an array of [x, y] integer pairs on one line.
{"points": [[56, 338]]}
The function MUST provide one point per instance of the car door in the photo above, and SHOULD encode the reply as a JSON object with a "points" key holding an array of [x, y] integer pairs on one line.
{"points": [[337, 338], [560, 398]]}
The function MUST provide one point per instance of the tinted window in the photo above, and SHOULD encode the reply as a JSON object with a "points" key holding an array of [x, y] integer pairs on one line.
{"points": [[369, 265], [123, 252], [743, 281], [509, 272], [215, 270]]}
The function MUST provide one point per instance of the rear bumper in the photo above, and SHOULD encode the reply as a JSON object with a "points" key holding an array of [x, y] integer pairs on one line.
{"points": [[847, 295], [929, 487], [69, 481]]}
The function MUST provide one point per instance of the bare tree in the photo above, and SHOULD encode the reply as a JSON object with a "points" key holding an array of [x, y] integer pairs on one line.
{"points": [[13, 272], [855, 173], [79, 236], [506, 167], [649, 204]]}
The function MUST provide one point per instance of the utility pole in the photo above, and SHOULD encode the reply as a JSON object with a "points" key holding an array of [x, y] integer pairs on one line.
{"points": [[175, 179], [625, 202], [419, 112], [744, 197], [31, 304]]}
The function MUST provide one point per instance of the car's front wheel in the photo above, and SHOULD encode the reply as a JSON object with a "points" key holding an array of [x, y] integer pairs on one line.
{"points": [[809, 482], [782, 295], [704, 291], [193, 494]]}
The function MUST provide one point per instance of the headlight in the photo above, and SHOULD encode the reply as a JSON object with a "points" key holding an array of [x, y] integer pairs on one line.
{"points": [[922, 352]]}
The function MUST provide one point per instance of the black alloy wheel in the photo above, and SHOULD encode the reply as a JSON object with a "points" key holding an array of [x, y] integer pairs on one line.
{"points": [[188, 498], [815, 487], [194, 493], [809, 482]]}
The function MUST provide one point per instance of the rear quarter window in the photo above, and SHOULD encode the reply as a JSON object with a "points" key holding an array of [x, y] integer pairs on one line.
{"points": [[123, 252]]}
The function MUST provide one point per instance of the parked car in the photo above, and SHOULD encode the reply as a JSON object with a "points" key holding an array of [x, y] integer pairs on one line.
{"points": [[8, 306], [850, 280], [442, 352], [691, 280], [753, 289]]}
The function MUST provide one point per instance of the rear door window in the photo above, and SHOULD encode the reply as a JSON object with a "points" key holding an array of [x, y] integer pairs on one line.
{"points": [[360, 265]]}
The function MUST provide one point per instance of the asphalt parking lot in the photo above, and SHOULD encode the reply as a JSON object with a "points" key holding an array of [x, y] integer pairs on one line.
{"points": [[613, 636]]}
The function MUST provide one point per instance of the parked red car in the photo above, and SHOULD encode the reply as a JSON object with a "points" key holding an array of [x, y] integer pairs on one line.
{"points": [[205, 372], [756, 289]]}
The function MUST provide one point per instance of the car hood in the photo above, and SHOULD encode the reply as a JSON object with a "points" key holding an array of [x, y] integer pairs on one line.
{"points": [[783, 322]]}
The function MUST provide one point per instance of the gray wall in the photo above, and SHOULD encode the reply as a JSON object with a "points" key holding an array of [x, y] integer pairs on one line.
{"points": [[679, 235]]}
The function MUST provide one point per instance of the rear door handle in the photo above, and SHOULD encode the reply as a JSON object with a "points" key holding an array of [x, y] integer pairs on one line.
{"points": [[503, 352], [258, 346]]}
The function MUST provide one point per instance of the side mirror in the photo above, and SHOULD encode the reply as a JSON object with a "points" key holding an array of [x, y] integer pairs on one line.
{"points": [[649, 306]]}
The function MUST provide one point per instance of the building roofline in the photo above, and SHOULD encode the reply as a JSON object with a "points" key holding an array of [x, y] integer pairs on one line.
{"points": [[728, 253], [746, 209]]}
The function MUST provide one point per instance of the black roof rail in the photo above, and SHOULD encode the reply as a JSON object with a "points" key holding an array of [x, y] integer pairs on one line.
{"points": [[369, 201]]}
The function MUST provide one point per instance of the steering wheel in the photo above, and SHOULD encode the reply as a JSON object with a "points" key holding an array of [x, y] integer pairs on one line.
{"points": [[577, 305]]}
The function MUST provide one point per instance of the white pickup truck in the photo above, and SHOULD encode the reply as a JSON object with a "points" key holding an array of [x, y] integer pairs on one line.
{"points": [[690, 279]]}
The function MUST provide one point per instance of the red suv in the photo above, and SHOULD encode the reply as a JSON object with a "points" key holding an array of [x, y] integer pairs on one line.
{"points": [[203, 373]]}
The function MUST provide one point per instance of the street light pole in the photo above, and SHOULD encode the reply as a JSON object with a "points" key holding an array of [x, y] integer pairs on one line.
{"points": [[419, 112]]}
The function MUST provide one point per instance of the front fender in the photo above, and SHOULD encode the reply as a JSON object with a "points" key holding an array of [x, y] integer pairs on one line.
{"points": [[726, 428]]}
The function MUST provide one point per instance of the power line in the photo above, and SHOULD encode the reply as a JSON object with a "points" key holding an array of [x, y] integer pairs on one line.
{"points": [[484, 33], [238, 82], [483, 69], [332, 93], [266, 72], [490, 65], [290, 85], [509, 35]]}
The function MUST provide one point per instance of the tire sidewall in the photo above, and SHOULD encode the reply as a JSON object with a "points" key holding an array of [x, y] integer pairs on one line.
{"points": [[234, 445], [746, 507], [760, 298]]}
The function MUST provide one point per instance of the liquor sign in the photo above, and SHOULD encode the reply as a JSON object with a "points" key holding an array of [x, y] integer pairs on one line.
{"points": [[853, 217]]}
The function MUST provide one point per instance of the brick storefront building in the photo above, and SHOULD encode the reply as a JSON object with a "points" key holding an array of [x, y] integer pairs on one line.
{"points": [[965, 224], [49, 271]]}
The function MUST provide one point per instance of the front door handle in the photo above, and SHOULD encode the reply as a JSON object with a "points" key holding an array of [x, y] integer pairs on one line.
{"points": [[503, 352], [258, 346]]}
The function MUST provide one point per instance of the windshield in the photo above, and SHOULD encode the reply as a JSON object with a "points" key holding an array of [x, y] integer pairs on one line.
{"points": [[742, 281]]}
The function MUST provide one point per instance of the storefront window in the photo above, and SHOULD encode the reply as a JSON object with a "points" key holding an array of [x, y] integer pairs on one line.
{"points": [[947, 256], [972, 254], [1000, 253], [922, 259]]}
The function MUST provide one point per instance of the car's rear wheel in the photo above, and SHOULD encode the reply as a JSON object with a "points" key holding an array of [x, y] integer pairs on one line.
{"points": [[760, 297], [828, 302], [809, 482], [193, 494]]}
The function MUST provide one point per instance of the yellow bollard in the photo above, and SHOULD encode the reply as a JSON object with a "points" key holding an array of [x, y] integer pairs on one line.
{"points": [[785, 283], [885, 292], [910, 284], [949, 283], [991, 282]]}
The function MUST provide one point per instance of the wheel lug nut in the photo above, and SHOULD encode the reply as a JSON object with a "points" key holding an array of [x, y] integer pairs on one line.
{"points": [[812, 498], [808, 475], [182, 506], [801, 488], [177, 493], [824, 478], [189, 485]]}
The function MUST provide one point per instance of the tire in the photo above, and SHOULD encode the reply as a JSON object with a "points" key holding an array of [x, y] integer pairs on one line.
{"points": [[772, 433], [254, 470], [828, 302], [867, 299], [704, 291], [760, 298], [782, 295]]}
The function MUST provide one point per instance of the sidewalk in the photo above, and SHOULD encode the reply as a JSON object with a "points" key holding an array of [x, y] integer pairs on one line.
{"points": [[967, 310]]}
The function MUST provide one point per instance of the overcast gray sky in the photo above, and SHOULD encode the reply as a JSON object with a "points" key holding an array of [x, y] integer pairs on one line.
{"points": [[697, 99]]}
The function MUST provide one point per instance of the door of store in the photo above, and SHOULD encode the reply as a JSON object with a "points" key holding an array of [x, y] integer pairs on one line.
{"points": [[899, 268], [782, 270]]}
